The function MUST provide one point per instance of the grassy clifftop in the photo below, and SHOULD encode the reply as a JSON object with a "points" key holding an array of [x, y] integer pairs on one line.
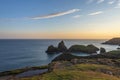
{"points": [[78, 72]]}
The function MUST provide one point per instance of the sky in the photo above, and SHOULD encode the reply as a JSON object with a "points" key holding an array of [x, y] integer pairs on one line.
{"points": [[59, 19]]}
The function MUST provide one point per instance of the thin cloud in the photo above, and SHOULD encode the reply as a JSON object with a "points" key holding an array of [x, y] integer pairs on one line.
{"points": [[89, 1], [96, 13], [56, 14], [77, 16], [118, 4], [100, 1], [111, 2]]}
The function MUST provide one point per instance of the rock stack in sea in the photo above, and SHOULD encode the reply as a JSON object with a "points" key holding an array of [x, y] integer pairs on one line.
{"points": [[61, 48], [81, 48], [74, 48]]}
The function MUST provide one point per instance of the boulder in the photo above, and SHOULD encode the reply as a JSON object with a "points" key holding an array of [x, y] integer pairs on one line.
{"points": [[113, 41], [102, 50], [118, 47], [62, 47], [52, 49]]}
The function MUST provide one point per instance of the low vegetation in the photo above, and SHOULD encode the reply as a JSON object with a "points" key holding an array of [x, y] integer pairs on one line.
{"points": [[78, 72]]}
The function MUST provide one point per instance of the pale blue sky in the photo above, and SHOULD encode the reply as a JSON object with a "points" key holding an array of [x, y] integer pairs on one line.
{"points": [[59, 19]]}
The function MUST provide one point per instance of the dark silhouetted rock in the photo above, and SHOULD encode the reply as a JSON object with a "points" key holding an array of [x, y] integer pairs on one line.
{"points": [[62, 47], [118, 47], [113, 41], [82, 48], [65, 57], [102, 50], [52, 49]]}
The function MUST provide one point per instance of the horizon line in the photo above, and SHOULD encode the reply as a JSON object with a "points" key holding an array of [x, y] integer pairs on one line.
{"points": [[52, 38]]}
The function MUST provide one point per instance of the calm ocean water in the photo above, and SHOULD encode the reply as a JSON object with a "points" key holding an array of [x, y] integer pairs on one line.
{"points": [[22, 53]]}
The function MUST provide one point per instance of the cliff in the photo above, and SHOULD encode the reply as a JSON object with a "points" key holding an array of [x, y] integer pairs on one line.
{"points": [[113, 41]]}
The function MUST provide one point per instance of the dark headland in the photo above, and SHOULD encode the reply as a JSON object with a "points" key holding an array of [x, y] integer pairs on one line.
{"points": [[113, 41]]}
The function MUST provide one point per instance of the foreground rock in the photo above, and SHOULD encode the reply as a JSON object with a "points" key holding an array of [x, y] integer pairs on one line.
{"points": [[81, 48], [113, 41], [111, 58]]}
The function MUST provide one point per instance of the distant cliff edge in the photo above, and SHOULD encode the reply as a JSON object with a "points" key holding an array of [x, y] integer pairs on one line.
{"points": [[113, 41]]}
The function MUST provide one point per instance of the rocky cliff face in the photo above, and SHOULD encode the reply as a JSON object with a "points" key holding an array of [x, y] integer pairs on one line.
{"points": [[113, 41]]}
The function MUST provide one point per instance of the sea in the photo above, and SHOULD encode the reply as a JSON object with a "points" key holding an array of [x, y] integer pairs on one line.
{"points": [[21, 53]]}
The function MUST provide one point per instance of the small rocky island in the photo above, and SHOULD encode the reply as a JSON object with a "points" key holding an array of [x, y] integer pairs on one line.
{"points": [[74, 48], [61, 48], [113, 41]]}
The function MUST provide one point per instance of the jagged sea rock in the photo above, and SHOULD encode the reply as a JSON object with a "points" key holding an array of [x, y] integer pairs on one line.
{"points": [[52, 49], [62, 47], [113, 41], [102, 50]]}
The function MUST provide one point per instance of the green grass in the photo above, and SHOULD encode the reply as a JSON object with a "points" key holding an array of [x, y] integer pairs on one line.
{"points": [[73, 75], [92, 67], [114, 52], [77, 72]]}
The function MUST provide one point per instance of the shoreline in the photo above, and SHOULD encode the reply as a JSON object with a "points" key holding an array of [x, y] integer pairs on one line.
{"points": [[21, 70]]}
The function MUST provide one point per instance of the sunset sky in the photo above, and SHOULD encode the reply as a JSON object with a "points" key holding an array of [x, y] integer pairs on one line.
{"points": [[59, 19]]}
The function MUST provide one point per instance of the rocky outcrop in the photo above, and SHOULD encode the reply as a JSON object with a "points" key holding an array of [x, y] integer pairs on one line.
{"points": [[118, 47], [92, 48], [113, 41], [102, 50], [74, 48], [52, 49], [61, 48], [108, 55], [65, 57], [81, 48]]}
